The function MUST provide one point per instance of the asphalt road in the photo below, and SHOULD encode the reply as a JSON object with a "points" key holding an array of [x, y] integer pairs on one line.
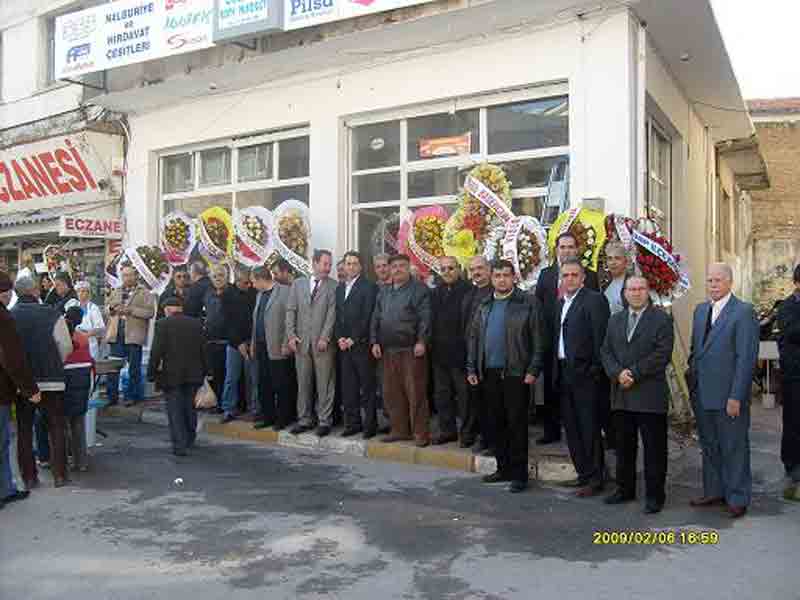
{"points": [[259, 522]]}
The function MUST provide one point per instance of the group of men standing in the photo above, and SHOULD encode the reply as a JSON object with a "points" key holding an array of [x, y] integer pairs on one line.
{"points": [[602, 355]]}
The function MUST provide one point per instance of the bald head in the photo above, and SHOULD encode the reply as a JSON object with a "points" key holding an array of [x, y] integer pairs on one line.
{"points": [[479, 271], [719, 281]]}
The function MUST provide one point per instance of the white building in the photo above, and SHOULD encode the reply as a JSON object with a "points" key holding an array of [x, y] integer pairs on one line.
{"points": [[635, 94], [58, 156]]}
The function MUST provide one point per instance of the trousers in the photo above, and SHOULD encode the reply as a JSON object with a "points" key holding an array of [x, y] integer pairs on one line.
{"points": [[452, 401], [53, 405], [653, 429], [508, 414], [181, 414], [404, 393], [358, 388]]}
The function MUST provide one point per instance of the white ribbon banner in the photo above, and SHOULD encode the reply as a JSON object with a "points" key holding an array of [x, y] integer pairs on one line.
{"points": [[661, 253], [475, 187], [156, 284], [428, 259], [623, 232], [572, 214]]}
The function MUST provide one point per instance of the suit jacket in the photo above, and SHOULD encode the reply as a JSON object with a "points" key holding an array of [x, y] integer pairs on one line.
{"points": [[274, 321], [353, 315], [177, 355], [142, 306], [584, 332], [646, 355], [194, 301], [547, 293], [722, 367], [307, 320]]}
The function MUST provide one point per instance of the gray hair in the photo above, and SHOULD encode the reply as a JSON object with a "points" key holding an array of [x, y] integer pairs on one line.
{"points": [[83, 285], [199, 269], [574, 262], [616, 248], [383, 256], [25, 286], [724, 267]]}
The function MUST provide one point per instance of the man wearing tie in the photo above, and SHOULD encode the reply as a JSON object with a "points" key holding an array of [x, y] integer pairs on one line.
{"points": [[636, 352], [580, 328], [723, 356], [355, 300], [310, 317], [548, 293]]}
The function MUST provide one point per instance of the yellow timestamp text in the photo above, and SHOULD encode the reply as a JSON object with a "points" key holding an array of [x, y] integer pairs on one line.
{"points": [[665, 537]]}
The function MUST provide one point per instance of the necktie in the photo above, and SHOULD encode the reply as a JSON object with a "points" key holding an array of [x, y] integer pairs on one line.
{"points": [[708, 323], [314, 291], [633, 318]]}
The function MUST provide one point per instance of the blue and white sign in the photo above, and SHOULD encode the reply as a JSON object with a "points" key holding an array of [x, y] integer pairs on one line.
{"points": [[130, 31], [241, 18], [306, 13]]}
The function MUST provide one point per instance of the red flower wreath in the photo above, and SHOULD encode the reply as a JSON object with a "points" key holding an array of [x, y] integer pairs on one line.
{"points": [[661, 277]]}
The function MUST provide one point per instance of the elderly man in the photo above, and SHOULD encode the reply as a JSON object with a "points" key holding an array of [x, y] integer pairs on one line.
{"points": [[579, 329], [15, 378], [505, 353], [46, 341], [400, 333], [636, 352], [721, 362], [176, 288], [449, 356], [310, 317], [178, 372], [216, 322], [549, 291], [479, 275], [789, 346], [130, 309], [238, 303], [618, 263]]}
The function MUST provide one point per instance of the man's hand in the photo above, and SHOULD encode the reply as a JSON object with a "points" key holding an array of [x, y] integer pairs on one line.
{"points": [[419, 350], [36, 398], [376, 351], [529, 379], [626, 379], [350, 343], [244, 351], [293, 345], [322, 345], [342, 343], [285, 350], [472, 379], [734, 408]]}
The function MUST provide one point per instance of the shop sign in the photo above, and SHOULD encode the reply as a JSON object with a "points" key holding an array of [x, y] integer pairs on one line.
{"points": [[82, 226], [241, 18], [305, 13], [445, 146], [130, 31], [62, 170]]}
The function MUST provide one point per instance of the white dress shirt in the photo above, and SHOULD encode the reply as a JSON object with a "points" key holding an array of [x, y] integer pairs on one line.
{"points": [[718, 306], [613, 294], [564, 311], [349, 286]]}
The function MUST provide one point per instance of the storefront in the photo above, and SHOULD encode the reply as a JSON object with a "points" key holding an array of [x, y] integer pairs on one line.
{"points": [[62, 195]]}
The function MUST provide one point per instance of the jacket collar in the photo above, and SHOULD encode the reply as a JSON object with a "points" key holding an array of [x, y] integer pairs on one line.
{"points": [[26, 299]]}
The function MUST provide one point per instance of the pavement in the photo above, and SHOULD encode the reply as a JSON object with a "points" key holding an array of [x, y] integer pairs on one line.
{"points": [[241, 519]]}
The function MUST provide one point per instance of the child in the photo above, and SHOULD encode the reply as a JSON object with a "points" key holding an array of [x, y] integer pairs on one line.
{"points": [[77, 374]]}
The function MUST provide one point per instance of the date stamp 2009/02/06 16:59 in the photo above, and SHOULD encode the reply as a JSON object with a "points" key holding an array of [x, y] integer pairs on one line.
{"points": [[663, 537]]}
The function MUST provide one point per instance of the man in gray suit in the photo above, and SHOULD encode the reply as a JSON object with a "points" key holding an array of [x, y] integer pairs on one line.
{"points": [[721, 363], [269, 347], [635, 353], [310, 317]]}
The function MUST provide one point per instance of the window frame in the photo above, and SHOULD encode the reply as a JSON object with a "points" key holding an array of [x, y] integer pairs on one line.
{"points": [[663, 181], [479, 102], [235, 186]]}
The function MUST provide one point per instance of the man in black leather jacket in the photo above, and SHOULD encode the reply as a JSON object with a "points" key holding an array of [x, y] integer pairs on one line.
{"points": [[505, 354]]}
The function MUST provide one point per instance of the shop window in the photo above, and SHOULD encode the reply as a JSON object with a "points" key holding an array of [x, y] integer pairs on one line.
{"points": [[215, 167], [194, 205], [376, 146], [444, 134], [294, 158], [659, 188], [418, 160], [255, 162], [178, 173], [528, 125], [272, 197]]}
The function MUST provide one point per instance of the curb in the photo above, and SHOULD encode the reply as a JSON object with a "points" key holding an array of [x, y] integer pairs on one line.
{"points": [[546, 469]]}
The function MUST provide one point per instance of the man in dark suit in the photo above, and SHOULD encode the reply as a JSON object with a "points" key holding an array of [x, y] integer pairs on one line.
{"points": [[789, 346], [194, 296], [636, 352], [723, 356], [548, 294], [355, 300], [580, 327], [178, 365]]}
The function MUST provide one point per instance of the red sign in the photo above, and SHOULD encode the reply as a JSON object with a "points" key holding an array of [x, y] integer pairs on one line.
{"points": [[445, 146], [88, 227]]}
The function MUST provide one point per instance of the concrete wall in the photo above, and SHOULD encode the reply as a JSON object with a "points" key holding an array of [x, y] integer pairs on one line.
{"points": [[692, 181], [596, 69]]}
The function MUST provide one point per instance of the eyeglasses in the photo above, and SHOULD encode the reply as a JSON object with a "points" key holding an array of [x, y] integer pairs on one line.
{"points": [[448, 268]]}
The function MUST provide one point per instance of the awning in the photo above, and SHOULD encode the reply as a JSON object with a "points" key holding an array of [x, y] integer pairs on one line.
{"points": [[24, 224], [746, 162]]}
